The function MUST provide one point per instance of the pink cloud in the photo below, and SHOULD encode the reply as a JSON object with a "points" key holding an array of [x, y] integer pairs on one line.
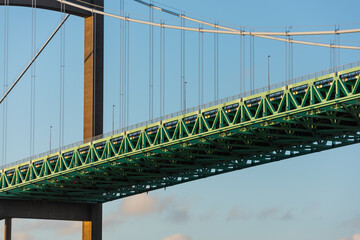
{"points": [[141, 204], [354, 237], [238, 214], [144, 204], [138, 205], [61, 227], [22, 236], [177, 237], [113, 219], [70, 228]]}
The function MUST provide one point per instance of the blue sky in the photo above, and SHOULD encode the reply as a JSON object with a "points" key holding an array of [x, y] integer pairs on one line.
{"points": [[309, 197]]}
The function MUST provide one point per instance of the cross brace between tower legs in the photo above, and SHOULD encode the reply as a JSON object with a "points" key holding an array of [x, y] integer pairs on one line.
{"points": [[89, 214]]}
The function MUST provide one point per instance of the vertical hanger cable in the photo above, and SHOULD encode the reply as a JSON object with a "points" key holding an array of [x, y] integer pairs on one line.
{"points": [[5, 84]]}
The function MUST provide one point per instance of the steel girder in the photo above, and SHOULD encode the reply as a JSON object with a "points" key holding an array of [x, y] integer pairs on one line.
{"points": [[302, 118]]}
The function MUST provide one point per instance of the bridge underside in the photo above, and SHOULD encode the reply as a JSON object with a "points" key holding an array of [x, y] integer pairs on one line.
{"points": [[211, 155], [299, 134], [299, 119]]}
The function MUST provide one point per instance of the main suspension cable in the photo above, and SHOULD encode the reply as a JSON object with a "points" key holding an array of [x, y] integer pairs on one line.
{"points": [[253, 27], [235, 32], [247, 33]]}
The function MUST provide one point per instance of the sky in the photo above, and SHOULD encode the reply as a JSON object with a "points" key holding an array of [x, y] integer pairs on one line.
{"points": [[309, 197]]}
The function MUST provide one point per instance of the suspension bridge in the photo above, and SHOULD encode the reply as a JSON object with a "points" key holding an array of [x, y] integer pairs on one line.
{"points": [[296, 117]]}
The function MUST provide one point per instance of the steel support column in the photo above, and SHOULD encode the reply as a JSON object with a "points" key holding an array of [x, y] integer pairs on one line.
{"points": [[7, 229], [93, 74], [92, 230], [93, 101]]}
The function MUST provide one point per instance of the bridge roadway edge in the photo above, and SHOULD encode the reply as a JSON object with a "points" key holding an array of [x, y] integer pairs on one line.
{"points": [[93, 120]]}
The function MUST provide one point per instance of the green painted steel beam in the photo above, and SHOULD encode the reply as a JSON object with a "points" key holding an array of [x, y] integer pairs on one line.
{"points": [[298, 119]]}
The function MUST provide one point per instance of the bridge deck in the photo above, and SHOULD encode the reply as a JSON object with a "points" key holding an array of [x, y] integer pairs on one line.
{"points": [[301, 118]]}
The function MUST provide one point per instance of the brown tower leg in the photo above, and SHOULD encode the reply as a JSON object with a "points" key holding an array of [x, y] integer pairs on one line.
{"points": [[93, 74], [92, 230], [7, 229], [93, 101]]}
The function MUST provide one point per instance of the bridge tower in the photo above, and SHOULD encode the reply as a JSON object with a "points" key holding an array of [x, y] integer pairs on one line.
{"points": [[89, 214]]}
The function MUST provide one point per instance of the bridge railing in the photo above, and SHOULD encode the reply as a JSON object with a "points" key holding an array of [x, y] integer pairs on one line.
{"points": [[189, 110]]}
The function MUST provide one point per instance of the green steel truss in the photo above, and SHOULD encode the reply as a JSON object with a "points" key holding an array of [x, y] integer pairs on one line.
{"points": [[295, 120]]}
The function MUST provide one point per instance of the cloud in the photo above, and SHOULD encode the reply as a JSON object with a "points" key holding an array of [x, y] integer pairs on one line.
{"points": [[268, 213], [138, 205], [287, 216], [178, 215], [177, 237], [354, 237], [70, 228], [238, 214], [310, 208], [353, 223], [114, 218], [22, 236], [206, 216], [61, 227], [27, 225], [272, 213], [143, 205]]}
